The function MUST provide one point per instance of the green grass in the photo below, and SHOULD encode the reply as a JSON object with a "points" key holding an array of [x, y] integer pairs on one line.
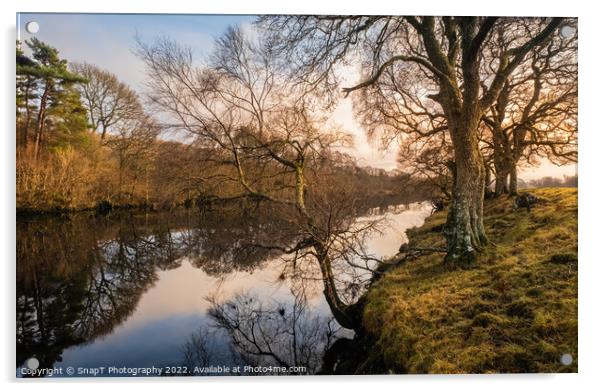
{"points": [[514, 311]]}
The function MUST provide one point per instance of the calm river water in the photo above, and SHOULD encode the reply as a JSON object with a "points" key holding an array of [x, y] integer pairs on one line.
{"points": [[176, 291]]}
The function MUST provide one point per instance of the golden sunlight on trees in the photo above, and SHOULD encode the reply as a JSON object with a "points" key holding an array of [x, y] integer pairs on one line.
{"points": [[422, 75], [99, 145], [535, 114], [58, 113], [62, 162]]}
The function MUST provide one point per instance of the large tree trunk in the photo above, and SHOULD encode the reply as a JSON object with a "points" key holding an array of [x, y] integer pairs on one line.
{"points": [[513, 179], [487, 177], [465, 232]]}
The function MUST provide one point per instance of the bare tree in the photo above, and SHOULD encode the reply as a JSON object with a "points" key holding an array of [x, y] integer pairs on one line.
{"points": [[133, 143], [108, 100], [268, 141], [535, 114], [115, 112], [447, 51], [283, 334]]}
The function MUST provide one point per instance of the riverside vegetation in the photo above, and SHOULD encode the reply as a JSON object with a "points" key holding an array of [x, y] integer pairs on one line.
{"points": [[514, 312]]}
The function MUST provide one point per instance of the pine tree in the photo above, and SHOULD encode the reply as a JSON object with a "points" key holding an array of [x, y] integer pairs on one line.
{"points": [[27, 85], [67, 119], [53, 83]]}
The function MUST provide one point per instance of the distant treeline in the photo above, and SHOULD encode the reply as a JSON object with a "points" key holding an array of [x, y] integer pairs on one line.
{"points": [[548, 181]]}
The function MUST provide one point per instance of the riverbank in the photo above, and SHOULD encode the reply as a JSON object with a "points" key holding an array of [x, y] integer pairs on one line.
{"points": [[107, 207], [515, 311]]}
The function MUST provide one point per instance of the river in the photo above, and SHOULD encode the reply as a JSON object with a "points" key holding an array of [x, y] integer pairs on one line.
{"points": [[182, 292]]}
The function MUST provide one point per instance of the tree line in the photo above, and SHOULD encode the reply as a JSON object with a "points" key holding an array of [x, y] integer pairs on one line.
{"points": [[85, 138]]}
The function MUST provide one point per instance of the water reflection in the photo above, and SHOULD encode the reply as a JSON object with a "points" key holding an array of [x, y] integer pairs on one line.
{"points": [[132, 290], [258, 333]]}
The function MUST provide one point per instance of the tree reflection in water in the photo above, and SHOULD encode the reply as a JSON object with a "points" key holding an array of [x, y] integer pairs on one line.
{"points": [[80, 277], [281, 334]]}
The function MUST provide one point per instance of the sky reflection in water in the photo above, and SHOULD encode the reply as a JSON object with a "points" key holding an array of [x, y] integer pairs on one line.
{"points": [[174, 306]]}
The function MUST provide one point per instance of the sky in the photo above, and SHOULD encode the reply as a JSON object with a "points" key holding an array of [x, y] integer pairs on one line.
{"points": [[108, 41]]}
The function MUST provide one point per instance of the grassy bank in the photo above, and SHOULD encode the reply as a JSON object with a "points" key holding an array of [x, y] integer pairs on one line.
{"points": [[515, 311]]}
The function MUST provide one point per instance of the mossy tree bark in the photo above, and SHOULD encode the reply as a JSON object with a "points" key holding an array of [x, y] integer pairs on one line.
{"points": [[465, 231], [464, 106]]}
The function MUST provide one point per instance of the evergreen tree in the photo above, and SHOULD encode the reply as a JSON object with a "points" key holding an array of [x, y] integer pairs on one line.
{"points": [[52, 83], [67, 119], [27, 85]]}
